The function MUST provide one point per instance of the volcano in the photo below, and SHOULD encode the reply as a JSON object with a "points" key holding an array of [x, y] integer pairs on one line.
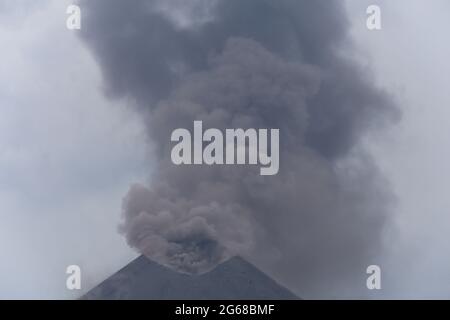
{"points": [[144, 279]]}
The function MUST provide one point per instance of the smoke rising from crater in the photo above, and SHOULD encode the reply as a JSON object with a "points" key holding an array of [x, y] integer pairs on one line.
{"points": [[249, 64]]}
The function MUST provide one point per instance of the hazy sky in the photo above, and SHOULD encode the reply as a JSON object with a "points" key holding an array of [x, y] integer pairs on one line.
{"points": [[68, 155], [410, 58]]}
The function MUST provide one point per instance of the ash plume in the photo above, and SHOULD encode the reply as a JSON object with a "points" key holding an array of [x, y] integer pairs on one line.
{"points": [[250, 64]]}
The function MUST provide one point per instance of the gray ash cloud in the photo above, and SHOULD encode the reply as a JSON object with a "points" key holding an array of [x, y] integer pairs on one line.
{"points": [[249, 64]]}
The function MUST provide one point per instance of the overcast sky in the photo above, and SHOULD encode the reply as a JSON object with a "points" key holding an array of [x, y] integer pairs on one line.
{"points": [[68, 155], [410, 58]]}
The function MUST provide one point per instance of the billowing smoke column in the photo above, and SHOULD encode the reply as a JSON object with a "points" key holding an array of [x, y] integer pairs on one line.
{"points": [[249, 64]]}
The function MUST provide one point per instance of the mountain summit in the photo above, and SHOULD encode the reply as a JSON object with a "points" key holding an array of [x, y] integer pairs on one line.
{"points": [[233, 279]]}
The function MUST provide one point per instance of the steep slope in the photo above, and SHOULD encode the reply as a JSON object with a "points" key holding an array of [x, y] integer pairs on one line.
{"points": [[145, 279]]}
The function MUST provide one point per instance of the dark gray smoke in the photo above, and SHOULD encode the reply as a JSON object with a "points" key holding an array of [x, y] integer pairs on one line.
{"points": [[250, 64]]}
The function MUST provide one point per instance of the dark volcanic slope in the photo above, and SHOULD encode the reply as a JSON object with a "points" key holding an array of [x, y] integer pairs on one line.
{"points": [[145, 279]]}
